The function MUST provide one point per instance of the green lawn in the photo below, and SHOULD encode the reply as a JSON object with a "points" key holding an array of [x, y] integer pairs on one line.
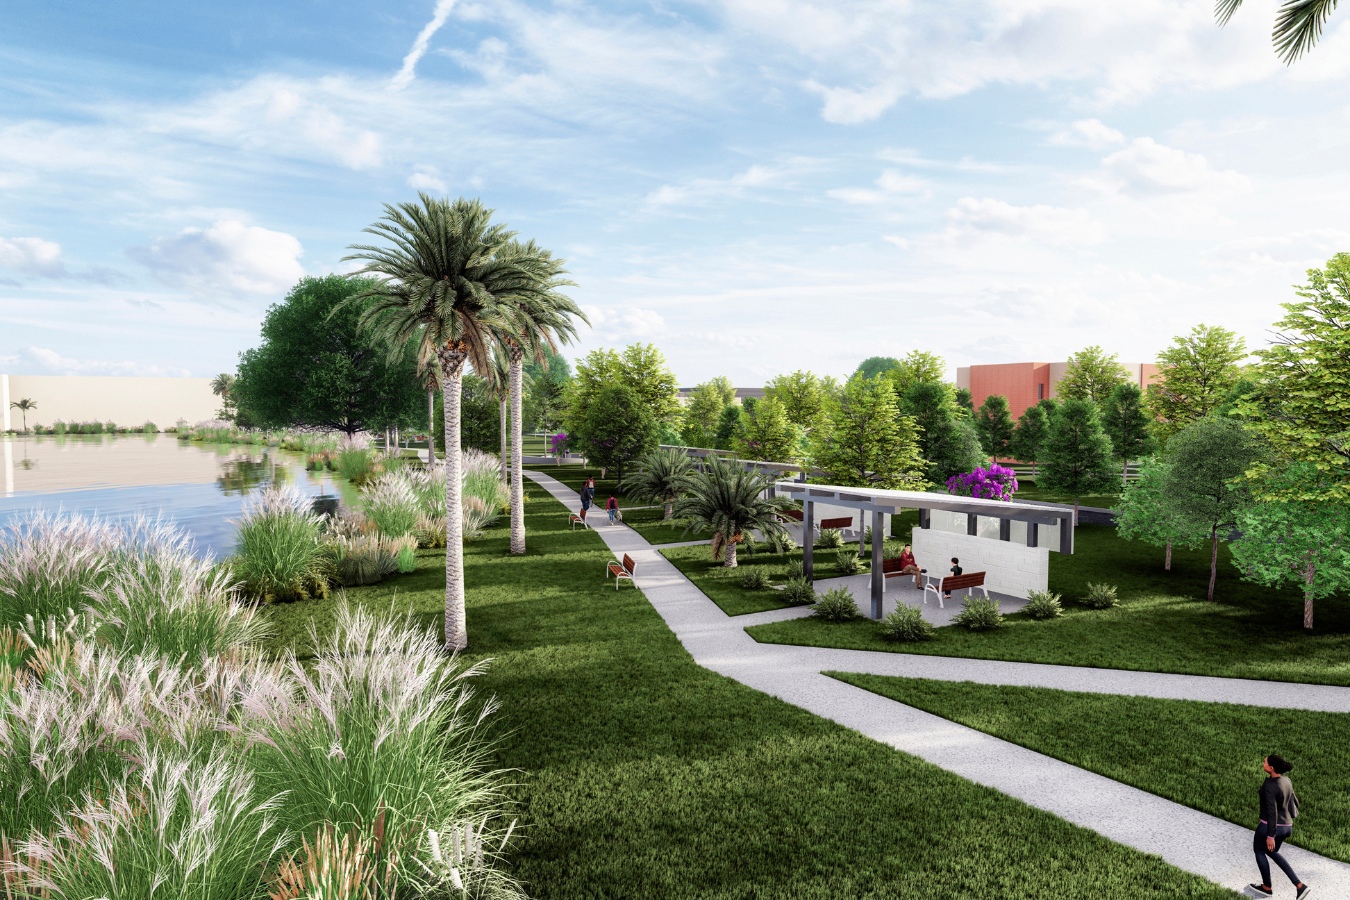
{"points": [[643, 775], [722, 585], [1204, 755], [1163, 623], [652, 525]]}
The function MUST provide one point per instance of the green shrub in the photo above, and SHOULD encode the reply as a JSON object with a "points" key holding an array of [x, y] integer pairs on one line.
{"points": [[149, 428], [798, 591], [430, 531], [1043, 605], [59, 428], [795, 569], [830, 538], [405, 552], [753, 579], [836, 605], [907, 625], [1100, 596], [392, 505], [278, 552], [979, 614], [849, 563], [362, 558], [780, 542]]}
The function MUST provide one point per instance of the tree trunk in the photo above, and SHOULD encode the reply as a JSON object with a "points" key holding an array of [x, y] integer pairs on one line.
{"points": [[456, 626], [1167, 560], [1075, 510], [517, 464], [431, 428], [1125, 475], [1213, 560], [1309, 574], [730, 555], [502, 429], [670, 510]]}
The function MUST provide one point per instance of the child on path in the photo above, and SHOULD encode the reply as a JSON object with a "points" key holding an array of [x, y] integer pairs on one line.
{"points": [[1279, 806], [956, 570], [612, 507]]}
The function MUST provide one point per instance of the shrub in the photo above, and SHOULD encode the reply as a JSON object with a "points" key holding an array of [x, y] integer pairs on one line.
{"points": [[798, 591], [780, 542], [405, 553], [354, 459], [59, 428], [849, 563], [906, 624], [795, 569], [392, 505], [149, 428], [979, 614], [278, 552], [754, 579], [836, 605], [1043, 605], [1100, 596], [830, 538], [362, 558], [430, 531]]}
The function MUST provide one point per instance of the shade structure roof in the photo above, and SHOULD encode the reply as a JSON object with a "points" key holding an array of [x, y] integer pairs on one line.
{"points": [[894, 501]]}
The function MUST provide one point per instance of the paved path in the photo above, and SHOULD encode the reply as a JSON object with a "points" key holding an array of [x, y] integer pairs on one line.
{"points": [[1188, 839]]}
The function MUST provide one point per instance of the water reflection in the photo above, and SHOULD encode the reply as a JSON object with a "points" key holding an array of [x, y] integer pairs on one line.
{"points": [[200, 487]]}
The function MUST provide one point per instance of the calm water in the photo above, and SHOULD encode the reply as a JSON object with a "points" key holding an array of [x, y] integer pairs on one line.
{"points": [[199, 487]]}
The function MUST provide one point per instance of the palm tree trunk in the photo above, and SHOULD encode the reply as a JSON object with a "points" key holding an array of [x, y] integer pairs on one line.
{"points": [[731, 555], [501, 428], [517, 464], [431, 428], [456, 626]]}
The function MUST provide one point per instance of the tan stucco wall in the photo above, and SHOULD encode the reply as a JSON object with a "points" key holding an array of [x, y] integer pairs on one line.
{"points": [[125, 401]]}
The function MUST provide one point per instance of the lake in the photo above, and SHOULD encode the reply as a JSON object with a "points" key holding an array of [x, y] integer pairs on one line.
{"points": [[199, 487]]}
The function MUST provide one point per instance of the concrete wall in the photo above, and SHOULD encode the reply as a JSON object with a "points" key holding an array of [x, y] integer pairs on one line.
{"points": [[1010, 568], [125, 401]]}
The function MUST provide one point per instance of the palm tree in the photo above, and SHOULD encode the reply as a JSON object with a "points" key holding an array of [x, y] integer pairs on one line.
{"points": [[440, 281], [663, 476], [23, 405], [730, 501], [222, 384], [1298, 24], [542, 318], [427, 371]]}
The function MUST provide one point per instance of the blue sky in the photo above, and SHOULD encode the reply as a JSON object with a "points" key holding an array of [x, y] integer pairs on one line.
{"points": [[753, 185]]}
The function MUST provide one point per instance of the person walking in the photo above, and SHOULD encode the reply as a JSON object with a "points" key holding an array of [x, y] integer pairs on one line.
{"points": [[612, 507], [1279, 806], [587, 496]]}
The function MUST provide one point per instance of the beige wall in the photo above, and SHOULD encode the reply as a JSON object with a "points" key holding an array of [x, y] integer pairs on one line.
{"points": [[125, 401]]}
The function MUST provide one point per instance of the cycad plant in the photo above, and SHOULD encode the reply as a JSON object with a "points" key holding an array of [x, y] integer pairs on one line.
{"points": [[663, 476], [445, 282], [729, 501]]}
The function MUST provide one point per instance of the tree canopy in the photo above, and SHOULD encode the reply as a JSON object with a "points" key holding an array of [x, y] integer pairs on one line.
{"points": [[1076, 455], [1091, 374], [315, 368], [868, 441], [947, 439], [995, 425], [1029, 434], [1127, 425], [918, 365], [803, 396], [615, 429], [546, 387], [1195, 376], [767, 434], [1147, 512], [639, 367], [875, 365], [701, 414]]}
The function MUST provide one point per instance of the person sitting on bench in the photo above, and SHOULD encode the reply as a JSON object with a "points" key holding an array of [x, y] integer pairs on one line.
{"points": [[909, 566], [956, 570]]}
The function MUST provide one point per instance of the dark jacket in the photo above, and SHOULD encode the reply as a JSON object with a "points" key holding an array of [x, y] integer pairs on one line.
{"points": [[587, 496], [1279, 804]]}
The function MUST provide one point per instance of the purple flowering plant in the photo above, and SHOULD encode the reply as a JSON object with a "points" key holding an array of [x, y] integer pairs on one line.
{"points": [[994, 483], [558, 443]]}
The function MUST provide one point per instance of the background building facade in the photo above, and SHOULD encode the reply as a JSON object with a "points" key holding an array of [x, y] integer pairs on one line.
{"points": [[125, 401], [1025, 383]]}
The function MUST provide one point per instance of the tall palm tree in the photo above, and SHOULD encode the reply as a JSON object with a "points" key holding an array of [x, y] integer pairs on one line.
{"points": [[1298, 24], [440, 280], [426, 370], [498, 378], [663, 476], [23, 405], [730, 501], [542, 318], [222, 384]]}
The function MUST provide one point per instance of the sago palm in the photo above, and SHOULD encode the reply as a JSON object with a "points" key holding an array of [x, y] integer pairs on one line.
{"points": [[542, 318], [1298, 24], [440, 282], [663, 476], [730, 501]]}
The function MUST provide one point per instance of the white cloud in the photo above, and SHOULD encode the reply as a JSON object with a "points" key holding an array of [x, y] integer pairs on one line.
{"points": [[624, 324], [1148, 167], [31, 256], [227, 256], [702, 190], [1039, 223], [1093, 134], [889, 185], [406, 74], [41, 360], [426, 178]]}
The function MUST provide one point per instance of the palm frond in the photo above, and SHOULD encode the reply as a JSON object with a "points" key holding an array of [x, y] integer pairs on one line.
{"points": [[1298, 24]]}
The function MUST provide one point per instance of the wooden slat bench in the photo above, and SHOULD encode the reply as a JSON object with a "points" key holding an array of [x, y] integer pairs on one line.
{"points": [[838, 524], [967, 582], [576, 520], [621, 570], [793, 514], [891, 568]]}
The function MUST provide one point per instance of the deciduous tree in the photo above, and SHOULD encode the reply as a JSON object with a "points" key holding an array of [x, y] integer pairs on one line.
{"points": [[875, 365], [917, 365], [948, 442], [639, 367], [1091, 374], [706, 402], [617, 429], [995, 425], [803, 396], [868, 441], [767, 434], [1076, 456], [1195, 375], [1029, 435], [1127, 426], [1147, 512]]}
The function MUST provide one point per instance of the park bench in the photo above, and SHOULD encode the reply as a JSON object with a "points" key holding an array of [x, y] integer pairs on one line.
{"points": [[621, 570], [840, 523], [967, 582], [794, 515], [576, 520], [891, 568]]}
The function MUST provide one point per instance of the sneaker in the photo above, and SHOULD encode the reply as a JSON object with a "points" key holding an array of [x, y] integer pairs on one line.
{"points": [[1304, 891], [1257, 890]]}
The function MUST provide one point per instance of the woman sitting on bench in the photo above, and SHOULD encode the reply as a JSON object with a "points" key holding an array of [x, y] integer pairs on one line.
{"points": [[909, 566]]}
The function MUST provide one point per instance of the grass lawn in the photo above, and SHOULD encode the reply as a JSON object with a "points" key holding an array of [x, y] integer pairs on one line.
{"points": [[651, 524], [1204, 755], [1163, 623], [722, 585], [644, 775], [1027, 490]]}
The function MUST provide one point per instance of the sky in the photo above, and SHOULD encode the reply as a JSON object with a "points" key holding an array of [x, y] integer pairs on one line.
{"points": [[755, 186]]}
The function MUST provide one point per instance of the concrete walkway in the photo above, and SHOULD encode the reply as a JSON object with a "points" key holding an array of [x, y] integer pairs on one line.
{"points": [[1188, 839]]}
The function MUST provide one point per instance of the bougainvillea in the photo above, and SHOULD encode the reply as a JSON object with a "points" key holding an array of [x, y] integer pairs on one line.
{"points": [[558, 443], [994, 483]]}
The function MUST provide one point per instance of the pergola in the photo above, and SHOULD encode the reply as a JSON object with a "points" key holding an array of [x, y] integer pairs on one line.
{"points": [[880, 502]]}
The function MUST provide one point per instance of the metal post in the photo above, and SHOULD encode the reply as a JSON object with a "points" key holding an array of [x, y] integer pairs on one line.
{"points": [[1005, 529], [878, 577], [972, 524], [925, 519], [862, 533], [808, 538], [1032, 536], [1066, 536]]}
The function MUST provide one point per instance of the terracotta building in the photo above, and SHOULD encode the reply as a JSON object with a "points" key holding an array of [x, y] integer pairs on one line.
{"points": [[1027, 382]]}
